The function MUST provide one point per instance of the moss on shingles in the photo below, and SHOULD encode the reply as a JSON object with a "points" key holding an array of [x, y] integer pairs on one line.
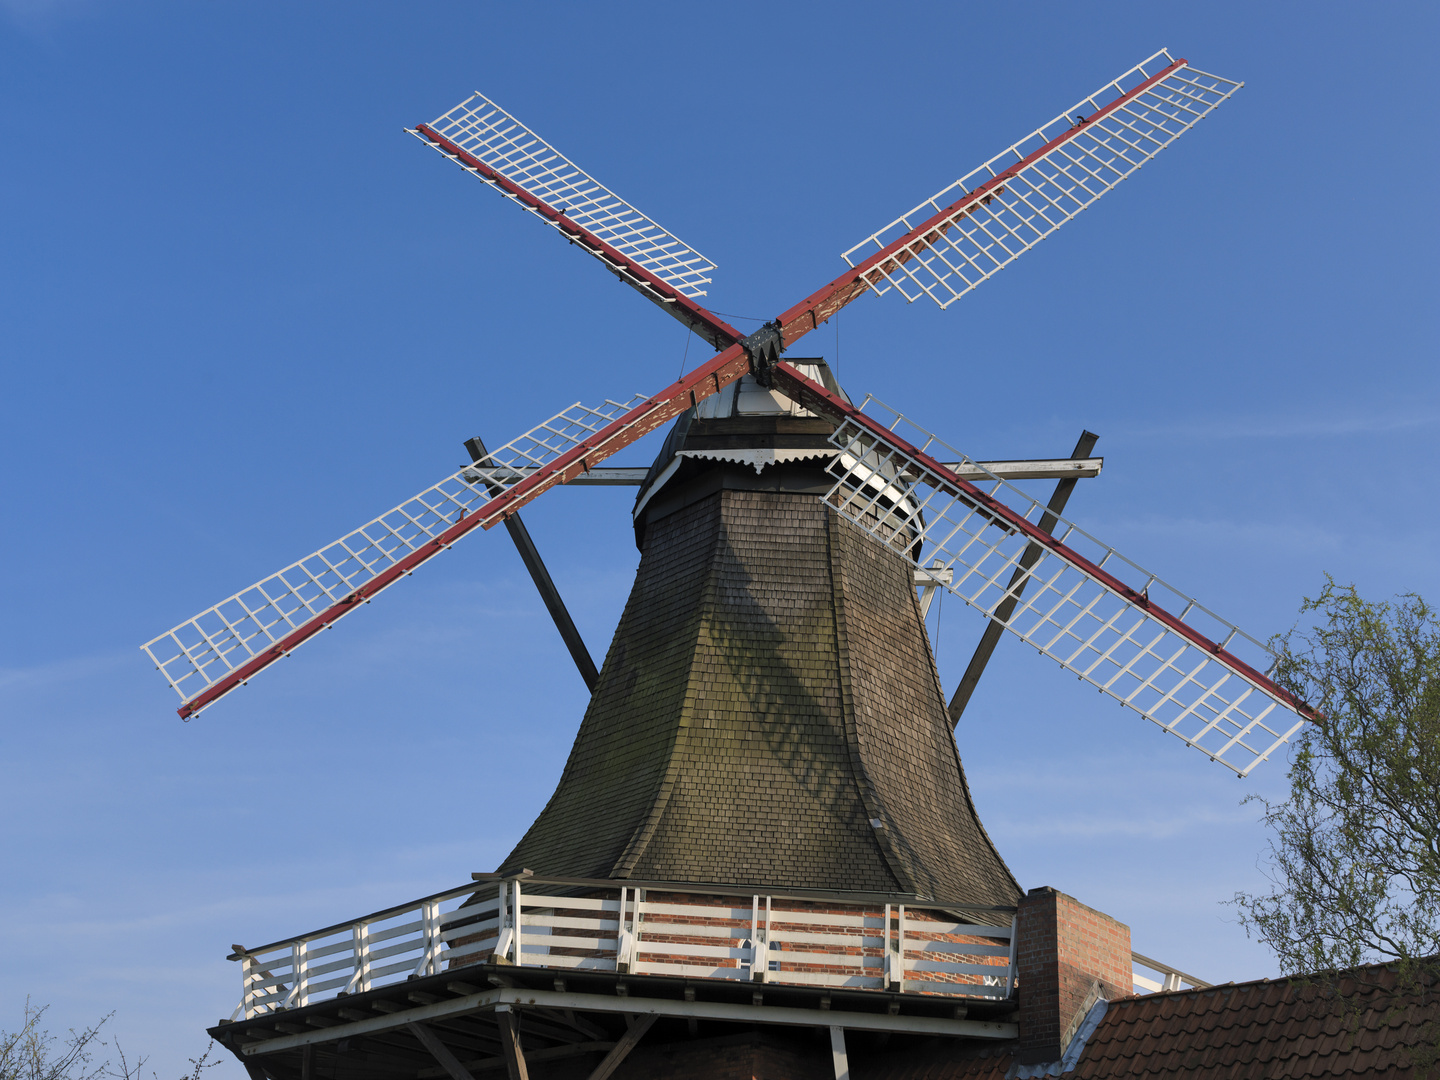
{"points": [[769, 693]]}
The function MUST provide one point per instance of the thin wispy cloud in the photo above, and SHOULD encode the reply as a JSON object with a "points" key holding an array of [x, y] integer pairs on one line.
{"points": [[1282, 426], [65, 671]]}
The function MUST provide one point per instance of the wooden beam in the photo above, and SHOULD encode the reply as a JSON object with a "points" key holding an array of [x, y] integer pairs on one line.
{"points": [[638, 1026], [1026, 469], [550, 1053], [439, 1051], [725, 1012], [838, 1055], [509, 1024]]}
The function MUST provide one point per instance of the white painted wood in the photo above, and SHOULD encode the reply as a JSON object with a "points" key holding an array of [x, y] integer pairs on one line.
{"points": [[728, 1012], [1029, 469], [510, 1046], [838, 1055], [873, 942]]}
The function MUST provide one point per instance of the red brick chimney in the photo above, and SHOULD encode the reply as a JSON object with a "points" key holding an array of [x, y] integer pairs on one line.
{"points": [[1068, 956]]}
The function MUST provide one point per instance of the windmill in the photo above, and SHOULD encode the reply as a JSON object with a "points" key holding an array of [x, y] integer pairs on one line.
{"points": [[1076, 600], [769, 713]]}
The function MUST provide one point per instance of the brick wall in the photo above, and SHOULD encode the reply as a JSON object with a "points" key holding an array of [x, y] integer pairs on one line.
{"points": [[1063, 950]]}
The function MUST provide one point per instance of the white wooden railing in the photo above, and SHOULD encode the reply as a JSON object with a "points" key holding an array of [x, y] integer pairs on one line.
{"points": [[814, 940], [1170, 978]]}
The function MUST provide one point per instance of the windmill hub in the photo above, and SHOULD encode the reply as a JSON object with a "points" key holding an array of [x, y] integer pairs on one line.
{"points": [[746, 437]]}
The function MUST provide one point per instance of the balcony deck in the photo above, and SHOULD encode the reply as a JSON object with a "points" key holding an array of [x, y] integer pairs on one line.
{"points": [[592, 964]]}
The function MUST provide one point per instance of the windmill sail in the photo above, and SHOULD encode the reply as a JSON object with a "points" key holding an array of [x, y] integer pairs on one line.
{"points": [[209, 655], [1086, 606], [982, 222], [214, 651], [492, 145]]}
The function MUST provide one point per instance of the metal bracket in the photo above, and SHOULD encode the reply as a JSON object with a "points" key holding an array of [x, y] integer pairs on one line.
{"points": [[764, 347]]}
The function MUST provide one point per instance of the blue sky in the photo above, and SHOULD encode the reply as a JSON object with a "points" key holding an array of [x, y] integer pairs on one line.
{"points": [[241, 312]]}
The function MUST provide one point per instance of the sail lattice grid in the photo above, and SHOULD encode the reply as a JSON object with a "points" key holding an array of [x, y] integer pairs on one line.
{"points": [[997, 212], [483, 129], [1069, 612], [206, 648]]}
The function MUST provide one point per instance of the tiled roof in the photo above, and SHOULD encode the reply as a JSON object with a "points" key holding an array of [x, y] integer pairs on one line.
{"points": [[1288, 1028], [769, 714]]}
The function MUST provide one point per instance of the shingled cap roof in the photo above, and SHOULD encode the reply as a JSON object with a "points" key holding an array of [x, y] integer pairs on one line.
{"points": [[769, 712], [1348, 1024]]}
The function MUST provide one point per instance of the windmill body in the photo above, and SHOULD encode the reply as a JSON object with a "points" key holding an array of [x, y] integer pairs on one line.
{"points": [[763, 823], [769, 712]]}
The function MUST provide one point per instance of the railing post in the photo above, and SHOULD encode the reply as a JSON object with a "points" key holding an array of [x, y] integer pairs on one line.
{"points": [[432, 937], [1014, 942], [639, 908], [624, 936], [765, 931], [299, 995], [505, 928], [888, 969], [900, 952], [360, 958], [247, 986], [758, 964], [519, 946]]}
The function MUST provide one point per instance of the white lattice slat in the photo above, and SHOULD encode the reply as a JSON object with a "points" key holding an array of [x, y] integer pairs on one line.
{"points": [[918, 926], [992, 215], [679, 948], [569, 922], [954, 948], [486, 131], [572, 903], [547, 942], [831, 959], [1111, 622], [204, 649], [811, 936], [669, 929], [711, 911]]}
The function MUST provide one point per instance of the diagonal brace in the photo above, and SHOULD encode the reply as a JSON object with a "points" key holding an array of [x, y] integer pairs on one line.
{"points": [[530, 556], [1018, 580], [439, 1051], [638, 1026]]}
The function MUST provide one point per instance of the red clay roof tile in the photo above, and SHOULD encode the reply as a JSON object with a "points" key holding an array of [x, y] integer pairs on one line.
{"points": [[1351, 1024]]}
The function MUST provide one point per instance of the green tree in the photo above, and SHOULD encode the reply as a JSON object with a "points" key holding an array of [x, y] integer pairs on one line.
{"points": [[1355, 848], [1354, 858]]}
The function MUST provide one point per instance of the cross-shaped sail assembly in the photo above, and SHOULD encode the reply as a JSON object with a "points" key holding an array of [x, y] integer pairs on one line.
{"points": [[1087, 607]]}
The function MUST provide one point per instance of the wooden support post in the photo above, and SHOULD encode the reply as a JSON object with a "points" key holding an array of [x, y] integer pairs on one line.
{"points": [[307, 1062], [639, 1025], [837, 1052], [509, 1024], [440, 1052]]}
